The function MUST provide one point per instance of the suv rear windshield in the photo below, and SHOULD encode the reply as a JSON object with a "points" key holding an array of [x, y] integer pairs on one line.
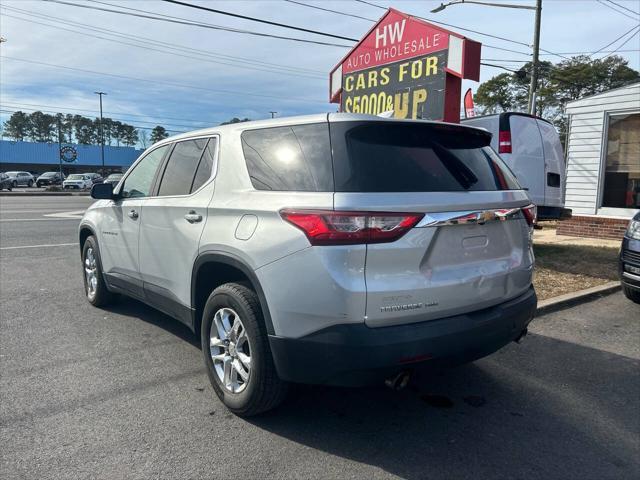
{"points": [[388, 157]]}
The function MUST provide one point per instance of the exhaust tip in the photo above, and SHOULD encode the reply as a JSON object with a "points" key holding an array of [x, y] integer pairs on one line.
{"points": [[399, 381]]}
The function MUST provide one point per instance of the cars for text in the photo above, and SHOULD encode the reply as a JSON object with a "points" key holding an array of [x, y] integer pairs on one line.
{"points": [[20, 179], [629, 265], [77, 181], [49, 178], [328, 249]]}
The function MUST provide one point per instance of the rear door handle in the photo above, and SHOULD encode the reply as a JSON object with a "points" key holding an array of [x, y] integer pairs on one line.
{"points": [[193, 217], [133, 214]]}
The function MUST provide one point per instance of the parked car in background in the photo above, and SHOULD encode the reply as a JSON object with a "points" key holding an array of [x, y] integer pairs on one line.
{"points": [[49, 178], [629, 265], [334, 249], [95, 177], [114, 178], [5, 182], [531, 147], [21, 179], [77, 181]]}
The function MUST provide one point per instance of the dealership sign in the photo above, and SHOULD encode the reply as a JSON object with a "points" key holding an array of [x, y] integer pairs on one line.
{"points": [[68, 154], [405, 67]]}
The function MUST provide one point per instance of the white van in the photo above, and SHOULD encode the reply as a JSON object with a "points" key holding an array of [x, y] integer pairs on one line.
{"points": [[531, 147]]}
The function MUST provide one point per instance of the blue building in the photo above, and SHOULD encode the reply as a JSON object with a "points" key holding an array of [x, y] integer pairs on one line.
{"points": [[43, 157]]}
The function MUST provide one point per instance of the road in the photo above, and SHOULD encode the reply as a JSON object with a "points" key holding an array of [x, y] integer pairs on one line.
{"points": [[122, 392]]}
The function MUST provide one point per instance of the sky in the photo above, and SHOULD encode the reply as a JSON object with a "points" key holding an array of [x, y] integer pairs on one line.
{"points": [[185, 77]]}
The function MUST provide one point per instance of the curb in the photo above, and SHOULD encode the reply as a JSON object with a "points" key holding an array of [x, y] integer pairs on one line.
{"points": [[576, 298], [42, 194]]}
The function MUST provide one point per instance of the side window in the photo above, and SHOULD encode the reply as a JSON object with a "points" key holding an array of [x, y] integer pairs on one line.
{"points": [[206, 165], [181, 167], [138, 183], [296, 158]]}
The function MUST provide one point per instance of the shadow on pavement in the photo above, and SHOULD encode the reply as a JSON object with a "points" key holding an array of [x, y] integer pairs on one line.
{"points": [[546, 409]]}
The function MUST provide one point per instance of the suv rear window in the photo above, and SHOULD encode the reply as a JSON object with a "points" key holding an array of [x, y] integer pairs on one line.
{"points": [[292, 158], [388, 157]]}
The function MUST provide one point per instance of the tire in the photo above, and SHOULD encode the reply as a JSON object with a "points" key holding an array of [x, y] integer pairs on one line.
{"points": [[631, 294], [30, 184], [98, 295], [263, 390], [14, 184]]}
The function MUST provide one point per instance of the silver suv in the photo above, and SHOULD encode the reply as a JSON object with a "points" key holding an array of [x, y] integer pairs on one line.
{"points": [[329, 249]]}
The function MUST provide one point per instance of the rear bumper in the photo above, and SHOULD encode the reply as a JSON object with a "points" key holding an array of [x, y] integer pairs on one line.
{"points": [[554, 213], [354, 354]]}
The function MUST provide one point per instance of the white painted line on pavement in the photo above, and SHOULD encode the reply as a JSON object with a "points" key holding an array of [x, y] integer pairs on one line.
{"points": [[39, 246], [74, 214], [38, 219]]}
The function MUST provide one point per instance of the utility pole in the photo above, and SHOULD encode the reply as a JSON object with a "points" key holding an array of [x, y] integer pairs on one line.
{"points": [[273, 114], [536, 52], [101, 131]]}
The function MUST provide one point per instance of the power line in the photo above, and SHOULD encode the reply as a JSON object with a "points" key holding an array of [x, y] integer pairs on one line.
{"points": [[611, 43], [332, 11], [179, 85], [622, 45], [260, 20], [622, 6], [167, 18], [372, 4], [174, 46], [616, 10], [181, 55]]}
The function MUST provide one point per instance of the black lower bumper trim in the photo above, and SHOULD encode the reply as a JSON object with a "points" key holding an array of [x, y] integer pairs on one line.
{"points": [[354, 354]]}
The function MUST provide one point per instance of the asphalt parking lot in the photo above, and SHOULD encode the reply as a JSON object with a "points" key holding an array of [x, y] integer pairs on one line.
{"points": [[122, 392]]}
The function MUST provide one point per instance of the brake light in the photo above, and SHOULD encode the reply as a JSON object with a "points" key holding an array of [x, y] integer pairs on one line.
{"points": [[530, 214], [328, 227], [504, 141]]}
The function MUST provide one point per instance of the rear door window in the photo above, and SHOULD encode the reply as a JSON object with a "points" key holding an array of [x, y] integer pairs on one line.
{"points": [[402, 157], [181, 167], [291, 158]]}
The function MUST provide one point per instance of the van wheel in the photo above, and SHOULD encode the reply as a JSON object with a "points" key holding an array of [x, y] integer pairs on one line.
{"points": [[94, 286], [236, 352], [631, 294]]}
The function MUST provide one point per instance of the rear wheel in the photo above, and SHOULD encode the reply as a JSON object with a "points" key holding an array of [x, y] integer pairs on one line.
{"points": [[30, 183], [631, 294], [14, 184], [94, 286], [236, 351]]}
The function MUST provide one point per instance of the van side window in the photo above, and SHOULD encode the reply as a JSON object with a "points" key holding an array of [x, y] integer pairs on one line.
{"points": [[292, 158], [138, 182], [181, 167]]}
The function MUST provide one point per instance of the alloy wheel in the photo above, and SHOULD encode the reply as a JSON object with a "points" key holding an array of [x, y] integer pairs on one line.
{"points": [[230, 350], [91, 273]]}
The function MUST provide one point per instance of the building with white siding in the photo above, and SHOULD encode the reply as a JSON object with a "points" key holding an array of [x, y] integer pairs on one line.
{"points": [[603, 163]]}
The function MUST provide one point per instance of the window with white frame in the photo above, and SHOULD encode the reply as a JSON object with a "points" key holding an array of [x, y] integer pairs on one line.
{"points": [[622, 162]]}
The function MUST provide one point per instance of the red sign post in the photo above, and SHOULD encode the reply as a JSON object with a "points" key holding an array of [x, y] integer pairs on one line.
{"points": [[406, 67]]}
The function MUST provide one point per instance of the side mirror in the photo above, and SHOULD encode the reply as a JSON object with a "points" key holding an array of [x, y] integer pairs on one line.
{"points": [[102, 191]]}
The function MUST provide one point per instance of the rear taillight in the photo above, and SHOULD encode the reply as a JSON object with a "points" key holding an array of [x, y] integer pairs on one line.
{"points": [[328, 227], [530, 214], [504, 141]]}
